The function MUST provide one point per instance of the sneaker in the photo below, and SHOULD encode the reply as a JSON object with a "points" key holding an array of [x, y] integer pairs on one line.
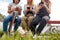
{"points": [[12, 34], [4, 36], [35, 36]]}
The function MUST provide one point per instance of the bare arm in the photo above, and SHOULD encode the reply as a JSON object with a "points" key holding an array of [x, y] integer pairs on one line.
{"points": [[48, 9]]}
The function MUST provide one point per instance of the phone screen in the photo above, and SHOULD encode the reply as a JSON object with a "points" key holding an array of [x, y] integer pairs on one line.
{"points": [[28, 7]]}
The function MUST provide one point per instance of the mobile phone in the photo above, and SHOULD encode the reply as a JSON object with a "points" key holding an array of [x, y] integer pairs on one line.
{"points": [[41, 3], [28, 7]]}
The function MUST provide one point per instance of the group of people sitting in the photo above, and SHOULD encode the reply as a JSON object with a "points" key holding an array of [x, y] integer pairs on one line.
{"points": [[33, 15]]}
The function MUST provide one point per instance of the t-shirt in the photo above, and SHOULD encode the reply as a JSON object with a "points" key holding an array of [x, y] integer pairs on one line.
{"points": [[12, 5]]}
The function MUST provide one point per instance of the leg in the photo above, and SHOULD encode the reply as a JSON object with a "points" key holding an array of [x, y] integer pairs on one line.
{"points": [[18, 21], [5, 23], [42, 24], [35, 23], [29, 21], [23, 22]]}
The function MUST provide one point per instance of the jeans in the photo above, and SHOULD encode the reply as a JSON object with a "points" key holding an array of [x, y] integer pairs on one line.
{"points": [[7, 20], [42, 21]]}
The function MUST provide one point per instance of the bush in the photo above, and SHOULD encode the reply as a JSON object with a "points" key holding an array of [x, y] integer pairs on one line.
{"points": [[29, 36], [1, 33]]}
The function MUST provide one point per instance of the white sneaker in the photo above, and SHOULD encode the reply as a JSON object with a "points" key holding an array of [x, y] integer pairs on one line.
{"points": [[12, 34], [35, 36], [4, 36]]}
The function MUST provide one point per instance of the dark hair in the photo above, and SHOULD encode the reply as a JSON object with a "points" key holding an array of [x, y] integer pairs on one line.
{"points": [[41, 3], [14, 1]]}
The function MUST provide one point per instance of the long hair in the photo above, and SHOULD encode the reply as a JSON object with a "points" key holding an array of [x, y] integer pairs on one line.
{"points": [[47, 1], [14, 1], [32, 2]]}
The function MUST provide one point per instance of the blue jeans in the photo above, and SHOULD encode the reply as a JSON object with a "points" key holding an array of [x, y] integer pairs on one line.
{"points": [[7, 20]]}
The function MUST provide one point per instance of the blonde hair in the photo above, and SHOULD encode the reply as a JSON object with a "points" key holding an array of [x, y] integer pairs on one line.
{"points": [[45, 1], [49, 4], [31, 2]]}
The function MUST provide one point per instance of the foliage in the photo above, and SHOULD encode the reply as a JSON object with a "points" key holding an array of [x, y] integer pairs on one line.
{"points": [[29, 36]]}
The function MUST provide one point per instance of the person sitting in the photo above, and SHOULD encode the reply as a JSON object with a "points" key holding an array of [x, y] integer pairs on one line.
{"points": [[29, 12], [42, 17], [12, 8]]}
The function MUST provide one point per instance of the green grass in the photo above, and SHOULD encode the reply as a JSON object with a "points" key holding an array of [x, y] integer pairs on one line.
{"points": [[1, 33], [29, 36]]}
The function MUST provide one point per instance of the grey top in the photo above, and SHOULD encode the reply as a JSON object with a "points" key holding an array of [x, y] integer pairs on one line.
{"points": [[25, 8]]}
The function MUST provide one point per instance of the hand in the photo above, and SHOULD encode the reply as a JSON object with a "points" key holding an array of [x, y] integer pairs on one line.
{"points": [[27, 10], [15, 9], [45, 5], [39, 7]]}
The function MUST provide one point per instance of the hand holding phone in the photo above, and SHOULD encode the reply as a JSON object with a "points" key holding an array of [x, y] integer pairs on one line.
{"points": [[28, 7]]}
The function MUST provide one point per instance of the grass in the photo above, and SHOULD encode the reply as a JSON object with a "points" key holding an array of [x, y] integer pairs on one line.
{"points": [[28, 36]]}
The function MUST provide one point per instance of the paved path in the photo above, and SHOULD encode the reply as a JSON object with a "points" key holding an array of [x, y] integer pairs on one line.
{"points": [[45, 30]]}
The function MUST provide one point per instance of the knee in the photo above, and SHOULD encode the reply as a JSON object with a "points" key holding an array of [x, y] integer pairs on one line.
{"points": [[33, 22], [23, 18], [19, 20], [5, 20], [31, 17], [46, 18]]}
